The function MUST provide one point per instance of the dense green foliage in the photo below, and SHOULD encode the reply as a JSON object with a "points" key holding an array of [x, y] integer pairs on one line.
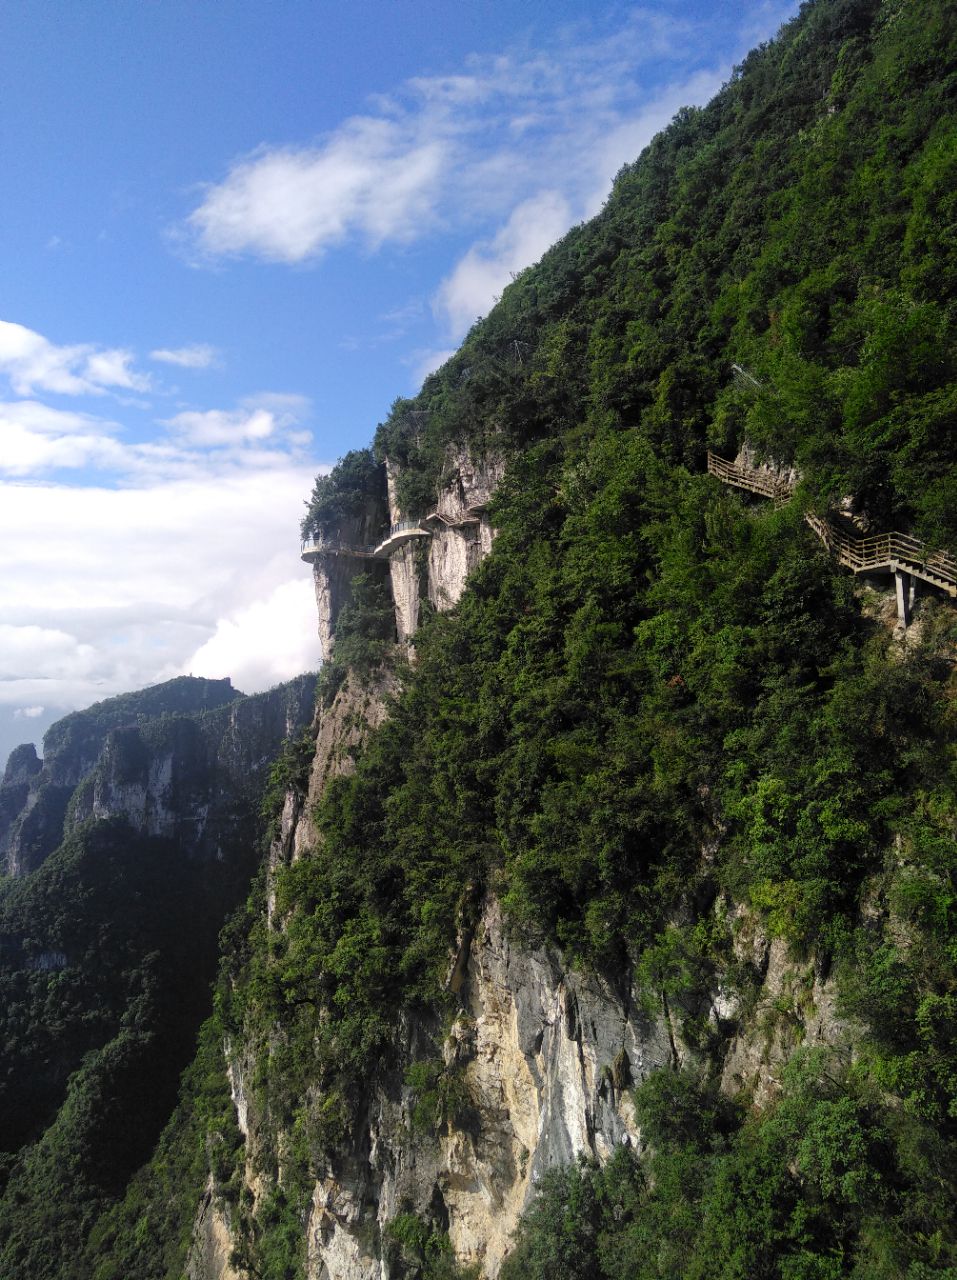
{"points": [[339, 499], [184, 695], [646, 668], [106, 954], [657, 704], [148, 1233], [365, 634], [800, 225], [827, 1183]]}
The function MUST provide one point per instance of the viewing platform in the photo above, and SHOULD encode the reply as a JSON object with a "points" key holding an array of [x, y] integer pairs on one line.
{"points": [[401, 533], [313, 548]]}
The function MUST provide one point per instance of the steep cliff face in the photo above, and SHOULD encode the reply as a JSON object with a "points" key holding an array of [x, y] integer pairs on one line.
{"points": [[108, 939], [461, 532], [543, 1061], [650, 858], [545, 1058], [333, 576], [340, 730], [347, 534]]}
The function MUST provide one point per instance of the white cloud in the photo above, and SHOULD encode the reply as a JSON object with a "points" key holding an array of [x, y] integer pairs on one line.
{"points": [[286, 205], [27, 452], [38, 439], [199, 356], [262, 643], [188, 537], [223, 427], [33, 363], [256, 419], [31, 653], [482, 274], [28, 713], [33, 415]]}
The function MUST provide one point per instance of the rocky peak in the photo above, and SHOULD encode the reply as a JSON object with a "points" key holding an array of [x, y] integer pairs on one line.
{"points": [[22, 764]]}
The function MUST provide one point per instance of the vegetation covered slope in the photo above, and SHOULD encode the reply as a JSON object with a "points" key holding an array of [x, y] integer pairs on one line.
{"points": [[654, 698]]}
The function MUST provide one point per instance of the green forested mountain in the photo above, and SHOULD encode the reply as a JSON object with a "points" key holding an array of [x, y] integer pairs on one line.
{"points": [[659, 717]]}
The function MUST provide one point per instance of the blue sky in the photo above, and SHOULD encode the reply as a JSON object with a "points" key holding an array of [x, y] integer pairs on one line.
{"points": [[233, 233]]}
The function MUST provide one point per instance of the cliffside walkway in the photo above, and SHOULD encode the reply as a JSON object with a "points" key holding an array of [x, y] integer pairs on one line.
{"points": [[440, 520], [398, 535], [907, 558], [760, 482], [313, 548]]}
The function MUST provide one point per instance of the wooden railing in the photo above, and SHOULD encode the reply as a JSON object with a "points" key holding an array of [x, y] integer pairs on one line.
{"points": [[759, 482], [887, 552]]}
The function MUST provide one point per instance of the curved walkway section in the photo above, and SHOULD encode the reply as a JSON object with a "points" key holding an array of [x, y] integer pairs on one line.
{"points": [[400, 534]]}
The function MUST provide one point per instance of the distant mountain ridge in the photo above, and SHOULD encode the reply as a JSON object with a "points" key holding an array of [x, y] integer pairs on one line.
{"points": [[170, 757]]}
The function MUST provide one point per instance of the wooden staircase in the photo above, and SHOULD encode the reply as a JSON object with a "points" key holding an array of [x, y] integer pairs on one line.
{"points": [[762, 483], [887, 553], [907, 558]]}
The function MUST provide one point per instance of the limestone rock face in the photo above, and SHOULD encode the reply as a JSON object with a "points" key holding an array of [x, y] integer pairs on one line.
{"points": [[333, 576], [23, 763], [797, 1005], [453, 554], [357, 709], [434, 568], [406, 568], [461, 531], [548, 1058], [209, 1256], [786, 475], [545, 1059]]}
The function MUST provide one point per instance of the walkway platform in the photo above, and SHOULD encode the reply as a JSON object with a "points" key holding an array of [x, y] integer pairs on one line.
{"points": [[317, 547], [440, 521]]}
